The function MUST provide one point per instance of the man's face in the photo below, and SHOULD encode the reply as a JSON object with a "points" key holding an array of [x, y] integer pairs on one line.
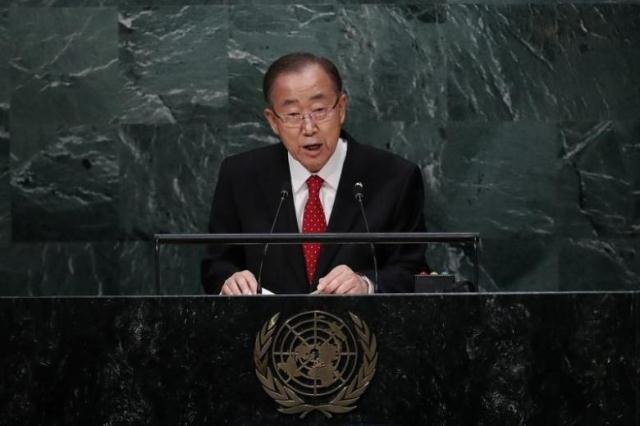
{"points": [[310, 142]]}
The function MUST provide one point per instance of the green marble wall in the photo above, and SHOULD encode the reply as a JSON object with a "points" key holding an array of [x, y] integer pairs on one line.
{"points": [[115, 115]]}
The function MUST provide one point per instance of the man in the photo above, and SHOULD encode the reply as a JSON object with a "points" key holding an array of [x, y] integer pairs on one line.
{"points": [[318, 164]]}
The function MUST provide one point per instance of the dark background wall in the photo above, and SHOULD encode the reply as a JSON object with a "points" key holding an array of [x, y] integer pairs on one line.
{"points": [[115, 115]]}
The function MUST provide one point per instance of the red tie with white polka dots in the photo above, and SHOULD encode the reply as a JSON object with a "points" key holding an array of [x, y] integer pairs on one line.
{"points": [[313, 221]]}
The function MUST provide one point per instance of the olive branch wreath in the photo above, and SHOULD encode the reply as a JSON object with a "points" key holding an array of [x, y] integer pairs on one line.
{"points": [[290, 402]]}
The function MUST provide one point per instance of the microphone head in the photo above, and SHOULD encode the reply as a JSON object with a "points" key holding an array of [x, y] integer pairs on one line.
{"points": [[284, 190], [358, 190]]}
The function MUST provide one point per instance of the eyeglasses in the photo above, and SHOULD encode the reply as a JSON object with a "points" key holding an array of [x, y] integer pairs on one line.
{"points": [[318, 115]]}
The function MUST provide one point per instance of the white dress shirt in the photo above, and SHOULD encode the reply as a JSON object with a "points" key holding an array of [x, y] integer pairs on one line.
{"points": [[330, 173]]}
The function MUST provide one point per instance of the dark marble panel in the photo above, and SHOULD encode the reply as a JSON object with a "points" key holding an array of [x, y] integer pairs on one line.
{"points": [[168, 175], [500, 178], [393, 62], [598, 58], [5, 195], [64, 66], [599, 264], [5, 44], [63, 3], [5, 137], [582, 359], [519, 262], [543, 62], [424, 145], [125, 268], [500, 62], [174, 63], [258, 36], [41, 269], [599, 183], [126, 3], [497, 359], [6, 287], [64, 183], [136, 268], [179, 269]]}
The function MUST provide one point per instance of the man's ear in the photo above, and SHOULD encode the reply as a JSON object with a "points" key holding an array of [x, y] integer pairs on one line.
{"points": [[272, 119], [343, 107]]}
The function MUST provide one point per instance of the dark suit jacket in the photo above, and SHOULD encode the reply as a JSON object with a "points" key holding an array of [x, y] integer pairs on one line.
{"points": [[247, 196]]}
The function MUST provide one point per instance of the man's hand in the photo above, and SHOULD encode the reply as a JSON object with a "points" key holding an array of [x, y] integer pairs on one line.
{"points": [[243, 282], [342, 280]]}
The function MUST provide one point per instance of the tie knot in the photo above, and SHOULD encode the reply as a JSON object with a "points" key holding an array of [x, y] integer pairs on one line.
{"points": [[314, 183]]}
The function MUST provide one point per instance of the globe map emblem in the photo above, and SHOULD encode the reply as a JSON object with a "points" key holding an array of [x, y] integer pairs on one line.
{"points": [[315, 353], [315, 361]]}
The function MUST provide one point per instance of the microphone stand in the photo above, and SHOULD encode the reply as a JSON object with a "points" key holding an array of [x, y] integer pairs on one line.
{"points": [[284, 193], [358, 190]]}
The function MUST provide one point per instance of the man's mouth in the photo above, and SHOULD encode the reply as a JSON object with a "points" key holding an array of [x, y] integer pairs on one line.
{"points": [[312, 147]]}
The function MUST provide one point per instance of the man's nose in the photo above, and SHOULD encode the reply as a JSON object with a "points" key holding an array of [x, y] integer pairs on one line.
{"points": [[308, 125]]}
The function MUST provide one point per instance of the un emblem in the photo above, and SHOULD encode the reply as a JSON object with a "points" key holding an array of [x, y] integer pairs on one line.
{"points": [[314, 361]]}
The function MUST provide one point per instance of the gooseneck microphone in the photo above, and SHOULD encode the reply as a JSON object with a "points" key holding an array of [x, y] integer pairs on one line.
{"points": [[358, 193], [284, 193]]}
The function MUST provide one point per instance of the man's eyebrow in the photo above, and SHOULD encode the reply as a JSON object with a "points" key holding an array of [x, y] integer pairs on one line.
{"points": [[318, 97], [288, 102]]}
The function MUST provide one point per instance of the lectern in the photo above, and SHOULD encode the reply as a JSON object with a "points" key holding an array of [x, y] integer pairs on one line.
{"points": [[282, 360]]}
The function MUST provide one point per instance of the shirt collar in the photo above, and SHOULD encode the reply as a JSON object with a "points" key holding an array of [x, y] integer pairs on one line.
{"points": [[330, 172]]}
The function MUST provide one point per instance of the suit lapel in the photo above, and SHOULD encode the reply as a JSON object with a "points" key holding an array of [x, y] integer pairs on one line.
{"points": [[271, 183], [345, 210]]}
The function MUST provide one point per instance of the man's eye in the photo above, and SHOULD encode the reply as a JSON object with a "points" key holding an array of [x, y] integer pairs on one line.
{"points": [[319, 110], [293, 114]]}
